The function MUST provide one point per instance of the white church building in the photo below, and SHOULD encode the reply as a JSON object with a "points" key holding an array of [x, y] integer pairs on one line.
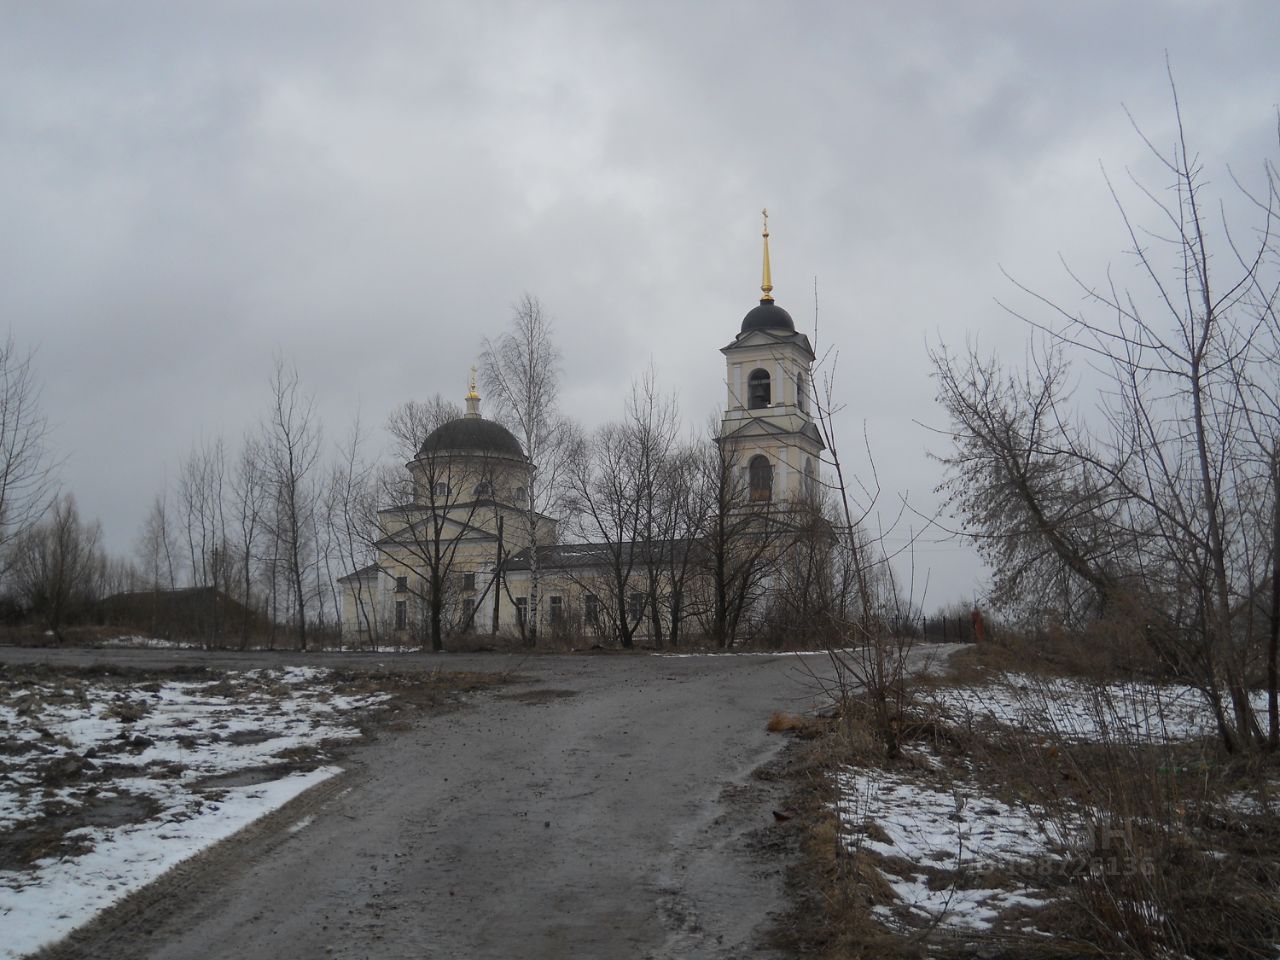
{"points": [[467, 523]]}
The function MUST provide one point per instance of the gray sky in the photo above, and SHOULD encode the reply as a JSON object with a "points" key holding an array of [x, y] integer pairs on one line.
{"points": [[367, 188]]}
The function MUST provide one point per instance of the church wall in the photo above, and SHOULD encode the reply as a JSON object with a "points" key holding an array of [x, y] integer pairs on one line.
{"points": [[776, 431]]}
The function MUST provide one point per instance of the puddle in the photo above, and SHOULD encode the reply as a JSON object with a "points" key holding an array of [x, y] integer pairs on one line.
{"points": [[242, 738], [251, 776], [538, 696], [34, 840]]}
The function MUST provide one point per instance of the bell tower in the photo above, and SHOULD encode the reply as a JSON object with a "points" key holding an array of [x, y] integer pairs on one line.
{"points": [[768, 429]]}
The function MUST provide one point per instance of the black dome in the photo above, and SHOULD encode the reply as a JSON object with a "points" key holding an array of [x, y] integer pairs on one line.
{"points": [[472, 433], [767, 316]]}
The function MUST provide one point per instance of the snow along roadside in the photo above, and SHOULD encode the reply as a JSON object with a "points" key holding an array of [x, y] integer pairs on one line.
{"points": [[69, 893]]}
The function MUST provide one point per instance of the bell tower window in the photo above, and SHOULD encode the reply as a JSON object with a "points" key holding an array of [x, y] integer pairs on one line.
{"points": [[760, 478], [758, 393]]}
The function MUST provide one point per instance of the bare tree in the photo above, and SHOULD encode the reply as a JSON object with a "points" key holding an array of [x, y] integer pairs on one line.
{"points": [[57, 564], [606, 510], [351, 517], [652, 428], [201, 498], [28, 473], [157, 546], [1164, 504], [1052, 518], [413, 421], [520, 372], [740, 540], [291, 446], [249, 484], [682, 517], [434, 507]]}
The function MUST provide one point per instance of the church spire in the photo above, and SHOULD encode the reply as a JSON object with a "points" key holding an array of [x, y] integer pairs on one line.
{"points": [[766, 284], [473, 398]]}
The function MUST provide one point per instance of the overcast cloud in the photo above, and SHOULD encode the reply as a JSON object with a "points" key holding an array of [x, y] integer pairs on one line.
{"points": [[367, 188]]}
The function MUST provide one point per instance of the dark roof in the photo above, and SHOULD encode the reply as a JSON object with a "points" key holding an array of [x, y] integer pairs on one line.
{"points": [[562, 555], [180, 593], [471, 434], [364, 573], [767, 316]]}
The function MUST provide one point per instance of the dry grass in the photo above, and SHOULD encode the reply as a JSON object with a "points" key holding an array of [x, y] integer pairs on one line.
{"points": [[804, 727], [833, 888], [1160, 856], [1109, 652]]}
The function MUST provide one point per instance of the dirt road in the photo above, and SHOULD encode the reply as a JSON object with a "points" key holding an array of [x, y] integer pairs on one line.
{"points": [[603, 809]]}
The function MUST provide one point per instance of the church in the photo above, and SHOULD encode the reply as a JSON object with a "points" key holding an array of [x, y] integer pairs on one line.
{"points": [[459, 557]]}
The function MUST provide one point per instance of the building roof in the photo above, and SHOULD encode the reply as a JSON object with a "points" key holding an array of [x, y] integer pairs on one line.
{"points": [[748, 425], [767, 316], [364, 573], [411, 535], [567, 555], [471, 434]]}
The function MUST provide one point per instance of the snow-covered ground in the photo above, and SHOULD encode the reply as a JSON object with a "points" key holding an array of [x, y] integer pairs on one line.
{"points": [[937, 836], [1081, 712], [752, 653], [958, 831], [149, 643], [119, 780]]}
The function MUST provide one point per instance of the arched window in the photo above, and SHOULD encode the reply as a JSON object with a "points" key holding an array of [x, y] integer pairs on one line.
{"points": [[442, 489], [758, 394], [760, 477], [802, 392], [810, 479], [483, 489], [521, 494]]}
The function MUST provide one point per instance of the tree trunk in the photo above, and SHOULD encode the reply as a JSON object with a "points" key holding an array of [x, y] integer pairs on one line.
{"points": [[298, 592], [676, 612], [535, 573], [497, 578], [1273, 621], [655, 614]]}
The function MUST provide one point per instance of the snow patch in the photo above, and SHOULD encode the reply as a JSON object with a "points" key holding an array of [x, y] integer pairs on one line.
{"points": [[1080, 712], [959, 831], [64, 894], [211, 756]]}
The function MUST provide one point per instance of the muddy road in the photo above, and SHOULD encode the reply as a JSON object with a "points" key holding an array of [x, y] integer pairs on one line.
{"points": [[602, 807]]}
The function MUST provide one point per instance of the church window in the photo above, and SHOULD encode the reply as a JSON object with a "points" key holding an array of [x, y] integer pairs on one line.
{"points": [[810, 480], [802, 392], [758, 394], [402, 614], [760, 477], [468, 581], [402, 584], [484, 489], [521, 494], [442, 489]]}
